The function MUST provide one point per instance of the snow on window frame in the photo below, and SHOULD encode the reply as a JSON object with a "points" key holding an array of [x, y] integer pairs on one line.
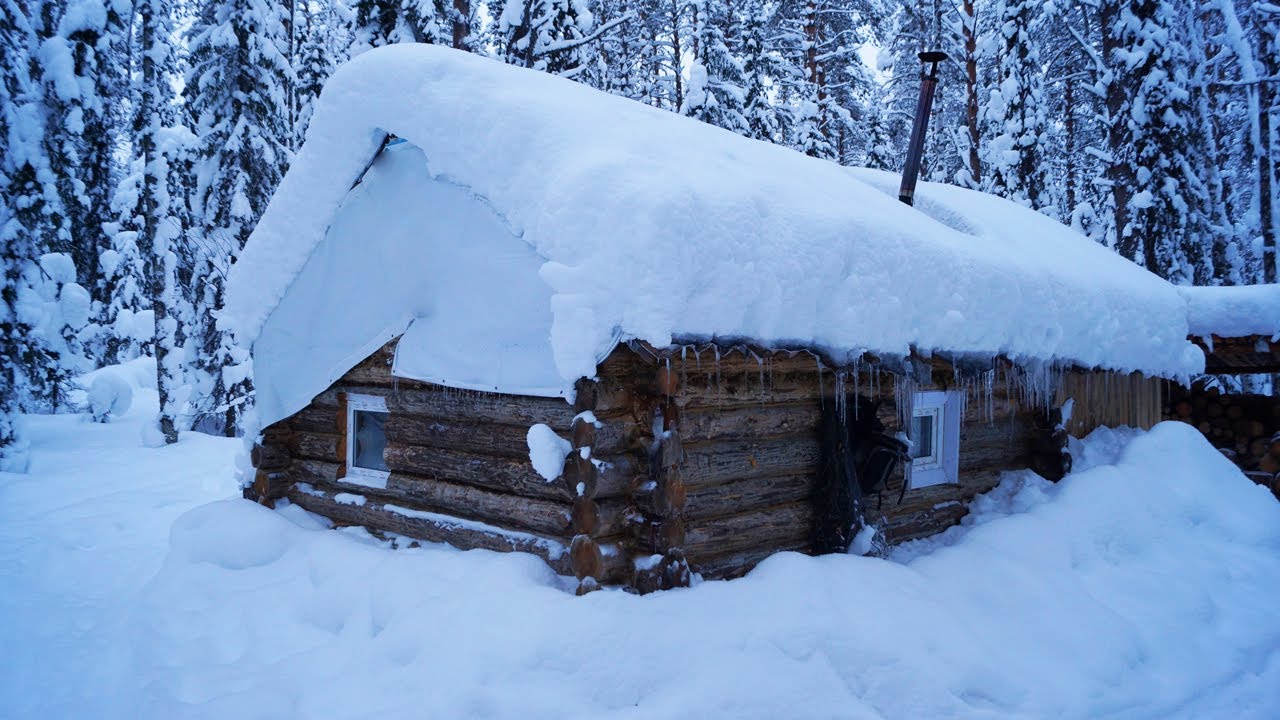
{"points": [[354, 473], [941, 466]]}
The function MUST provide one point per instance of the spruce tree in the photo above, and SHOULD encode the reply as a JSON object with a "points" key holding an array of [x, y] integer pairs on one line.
{"points": [[1014, 111], [238, 87], [83, 72], [554, 36], [716, 78], [315, 62], [157, 221], [388, 22], [762, 71], [16, 239], [1155, 145]]}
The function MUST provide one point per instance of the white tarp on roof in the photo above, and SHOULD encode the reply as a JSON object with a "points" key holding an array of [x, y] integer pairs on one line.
{"points": [[649, 225]]}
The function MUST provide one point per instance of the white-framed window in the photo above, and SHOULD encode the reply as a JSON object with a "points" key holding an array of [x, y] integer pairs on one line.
{"points": [[366, 416], [935, 438]]}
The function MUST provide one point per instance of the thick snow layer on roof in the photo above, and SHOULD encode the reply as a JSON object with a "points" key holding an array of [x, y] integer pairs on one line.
{"points": [[653, 226], [1233, 311]]}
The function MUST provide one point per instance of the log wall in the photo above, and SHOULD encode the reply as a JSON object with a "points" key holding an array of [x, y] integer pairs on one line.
{"points": [[691, 460]]}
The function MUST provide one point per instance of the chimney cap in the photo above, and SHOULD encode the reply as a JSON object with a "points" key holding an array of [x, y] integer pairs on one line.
{"points": [[932, 56]]}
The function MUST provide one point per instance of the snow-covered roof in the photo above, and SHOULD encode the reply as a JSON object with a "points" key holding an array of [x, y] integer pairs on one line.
{"points": [[1233, 311], [640, 223]]}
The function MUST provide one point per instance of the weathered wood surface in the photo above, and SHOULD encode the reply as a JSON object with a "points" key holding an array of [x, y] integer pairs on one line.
{"points": [[491, 439], [607, 563], [716, 463], [461, 534], [318, 446], [518, 477], [746, 495], [463, 406], [770, 527], [546, 517], [751, 423]]}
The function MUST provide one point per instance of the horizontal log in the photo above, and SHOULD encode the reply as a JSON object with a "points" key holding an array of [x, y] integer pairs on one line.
{"points": [[733, 460], [551, 518], [778, 526], [463, 406], [750, 423], [615, 476], [318, 446], [737, 563], [466, 405], [497, 474], [491, 438], [315, 418], [903, 527], [732, 498], [434, 528], [927, 498]]}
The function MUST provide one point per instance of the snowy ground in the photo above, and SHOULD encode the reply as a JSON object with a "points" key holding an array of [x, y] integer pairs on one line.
{"points": [[1147, 584]]}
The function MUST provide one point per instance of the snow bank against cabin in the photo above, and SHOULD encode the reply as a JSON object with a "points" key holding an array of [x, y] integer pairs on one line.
{"points": [[1143, 587], [1234, 311], [654, 226]]}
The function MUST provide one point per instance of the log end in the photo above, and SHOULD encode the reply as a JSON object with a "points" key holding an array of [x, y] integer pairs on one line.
{"points": [[585, 557]]}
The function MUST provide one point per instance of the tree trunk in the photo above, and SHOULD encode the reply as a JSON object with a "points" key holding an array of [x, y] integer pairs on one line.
{"points": [[970, 31]]}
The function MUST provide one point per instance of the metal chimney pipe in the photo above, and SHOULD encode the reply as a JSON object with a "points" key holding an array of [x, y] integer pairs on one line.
{"points": [[915, 150]]}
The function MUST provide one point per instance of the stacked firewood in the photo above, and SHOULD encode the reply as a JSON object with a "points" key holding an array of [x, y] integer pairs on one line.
{"points": [[1246, 428]]}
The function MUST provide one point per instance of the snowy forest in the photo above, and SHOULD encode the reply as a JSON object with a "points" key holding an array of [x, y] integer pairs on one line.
{"points": [[142, 139]]}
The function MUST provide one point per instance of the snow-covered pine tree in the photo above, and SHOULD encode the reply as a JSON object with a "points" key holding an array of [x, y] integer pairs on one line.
{"points": [[83, 72], [1155, 143], [828, 80], [1244, 107], [156, 223], [555, 36], [881, 152], [387, 22], [716, 93], [314, 63], [1015, 109], [762, 70], [237, 91], [17, 240], [1225, 264], [918, 26]]}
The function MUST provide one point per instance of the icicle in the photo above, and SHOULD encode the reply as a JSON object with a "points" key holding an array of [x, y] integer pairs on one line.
{"points": [[716, 348], [760, 366], [821, 393]]}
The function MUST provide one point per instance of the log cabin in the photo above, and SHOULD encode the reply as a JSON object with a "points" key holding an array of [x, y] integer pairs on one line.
{"points": [[498, 309]]}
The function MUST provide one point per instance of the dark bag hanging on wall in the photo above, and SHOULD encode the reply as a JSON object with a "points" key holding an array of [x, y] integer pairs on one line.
{"points": [[858, 456]]}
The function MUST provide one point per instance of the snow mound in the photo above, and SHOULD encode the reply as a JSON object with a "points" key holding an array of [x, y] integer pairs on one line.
{"points": [[1143, 587], [1234, 311], [547, 451], [110, 396], [644, 224]]}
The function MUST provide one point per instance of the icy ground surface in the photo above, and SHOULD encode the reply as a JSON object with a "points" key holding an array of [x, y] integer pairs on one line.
{"points": [[1144, 585]]}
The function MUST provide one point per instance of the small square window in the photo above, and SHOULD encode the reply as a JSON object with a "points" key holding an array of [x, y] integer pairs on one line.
{"points": [[366, 440], [935, 438]]}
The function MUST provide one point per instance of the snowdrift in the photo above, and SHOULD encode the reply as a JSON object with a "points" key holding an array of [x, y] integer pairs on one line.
{"points": [[1142, 586]]}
